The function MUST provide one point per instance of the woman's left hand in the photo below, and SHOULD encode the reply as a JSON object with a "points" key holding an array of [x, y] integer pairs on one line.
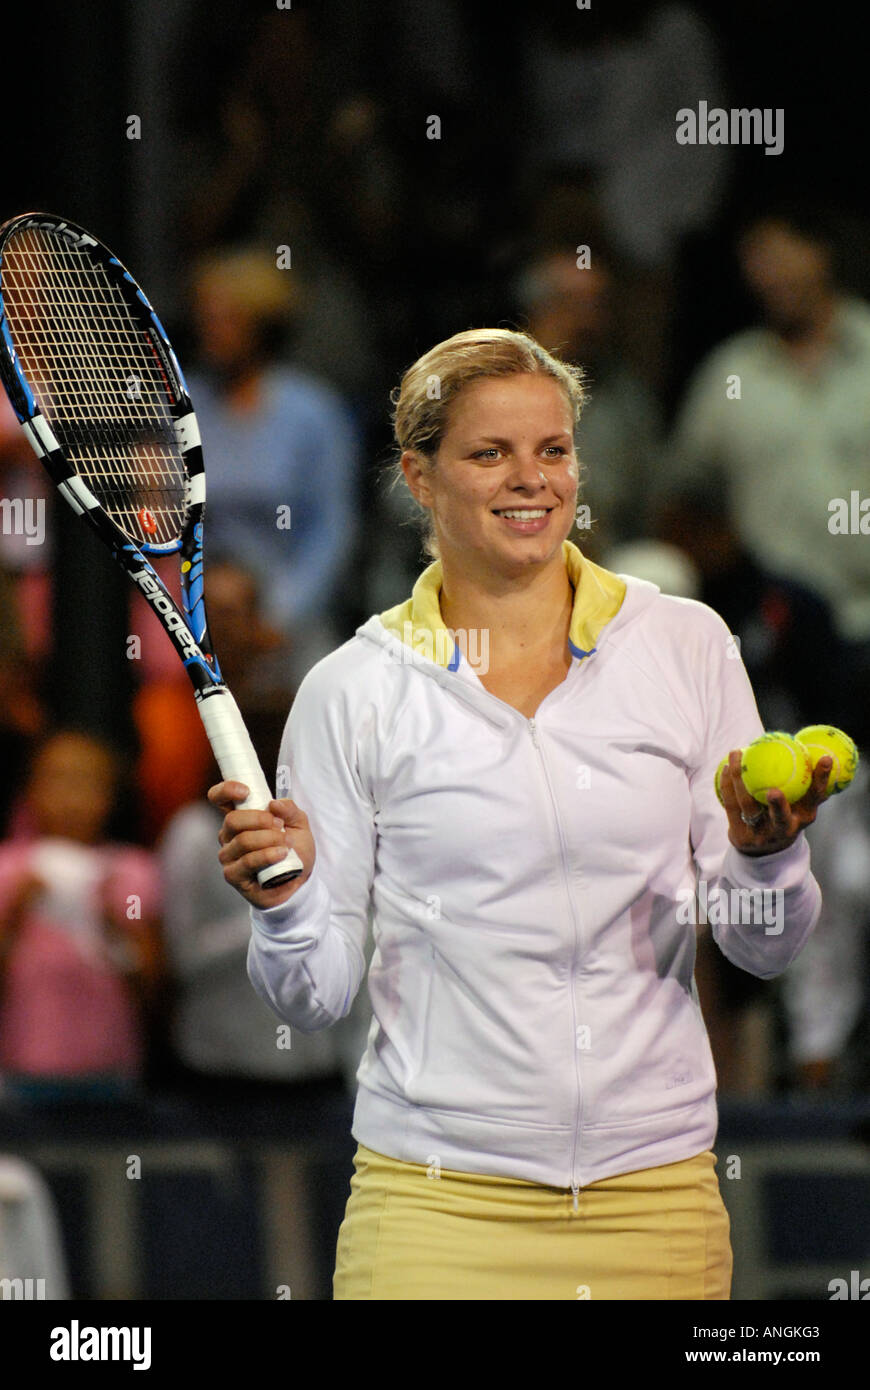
{"points": [[776, 825]]}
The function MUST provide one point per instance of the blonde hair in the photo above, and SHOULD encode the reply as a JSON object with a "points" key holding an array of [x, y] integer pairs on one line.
{"points": [[423, 398], [250, 277]]}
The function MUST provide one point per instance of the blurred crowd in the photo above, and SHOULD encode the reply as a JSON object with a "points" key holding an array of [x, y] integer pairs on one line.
{"points": [[331, 225]]}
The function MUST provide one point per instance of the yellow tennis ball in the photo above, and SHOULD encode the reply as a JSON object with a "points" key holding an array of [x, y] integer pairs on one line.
{"points": [[776, 760], [823, 740], [717, 781]]}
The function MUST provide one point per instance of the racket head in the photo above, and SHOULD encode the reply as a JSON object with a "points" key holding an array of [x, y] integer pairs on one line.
{"points": [[94, 381]]}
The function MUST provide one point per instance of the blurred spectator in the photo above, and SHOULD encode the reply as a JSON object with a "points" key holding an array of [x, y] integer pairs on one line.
{"points": [[281, 449], [603, 87], [570, 311], [80, 960], [22, 716], [780, 412], [826, 991], [778, 621]]}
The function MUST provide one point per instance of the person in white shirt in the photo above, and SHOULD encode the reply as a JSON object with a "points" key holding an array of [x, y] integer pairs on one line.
{"points": [[511, 776], [779, 413]]}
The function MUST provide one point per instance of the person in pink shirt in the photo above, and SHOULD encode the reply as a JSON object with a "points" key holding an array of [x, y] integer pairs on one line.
{"points": [[80, 956]]}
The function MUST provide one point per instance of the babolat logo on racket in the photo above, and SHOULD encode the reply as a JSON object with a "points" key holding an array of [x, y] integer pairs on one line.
{"points": [[174, 622]]}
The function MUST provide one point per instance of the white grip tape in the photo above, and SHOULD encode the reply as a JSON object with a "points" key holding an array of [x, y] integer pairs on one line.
{"points": [[231, 745], [238, 762]]}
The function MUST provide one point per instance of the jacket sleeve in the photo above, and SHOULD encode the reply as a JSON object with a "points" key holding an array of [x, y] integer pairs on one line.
{"points": [[761, 909], [306, 957]]}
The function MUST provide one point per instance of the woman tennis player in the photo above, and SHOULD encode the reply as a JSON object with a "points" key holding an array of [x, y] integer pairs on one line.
{"points": [[512, 775]]}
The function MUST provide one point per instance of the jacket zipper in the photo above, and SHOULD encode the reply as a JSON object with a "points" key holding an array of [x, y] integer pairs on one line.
{"points": [[575, 1189]]}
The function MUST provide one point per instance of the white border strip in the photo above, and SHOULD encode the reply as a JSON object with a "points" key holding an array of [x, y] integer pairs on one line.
{"points": [[43, 432], [187, 432], [78, 488]]}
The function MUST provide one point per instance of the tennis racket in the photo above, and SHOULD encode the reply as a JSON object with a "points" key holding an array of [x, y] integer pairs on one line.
{"points": [[96, 386]]}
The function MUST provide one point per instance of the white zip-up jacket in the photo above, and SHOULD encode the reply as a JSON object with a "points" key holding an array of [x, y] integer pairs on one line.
{"points": [[532, 884]]}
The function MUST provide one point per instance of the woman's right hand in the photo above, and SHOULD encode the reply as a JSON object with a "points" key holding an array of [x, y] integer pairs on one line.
{"points": [[251, 840]]}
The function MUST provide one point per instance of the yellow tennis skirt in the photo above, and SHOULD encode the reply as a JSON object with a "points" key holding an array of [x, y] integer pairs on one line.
{"points": [[412, 1232]]}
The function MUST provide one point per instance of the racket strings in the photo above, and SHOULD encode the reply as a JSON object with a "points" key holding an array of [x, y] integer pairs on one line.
{"points": [[99, 380]]}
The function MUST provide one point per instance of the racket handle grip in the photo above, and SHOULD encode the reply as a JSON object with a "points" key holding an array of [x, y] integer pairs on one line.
{"points": [[238, 762]]}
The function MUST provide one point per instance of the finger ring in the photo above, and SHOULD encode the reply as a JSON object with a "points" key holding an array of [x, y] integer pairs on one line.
{"points": [[752, 820]]}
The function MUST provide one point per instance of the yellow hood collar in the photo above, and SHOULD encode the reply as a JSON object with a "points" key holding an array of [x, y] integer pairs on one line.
{"points": [[598, 595]]}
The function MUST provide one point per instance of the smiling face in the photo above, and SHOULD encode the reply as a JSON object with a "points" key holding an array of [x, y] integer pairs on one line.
{"points": [[503, 489]]}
